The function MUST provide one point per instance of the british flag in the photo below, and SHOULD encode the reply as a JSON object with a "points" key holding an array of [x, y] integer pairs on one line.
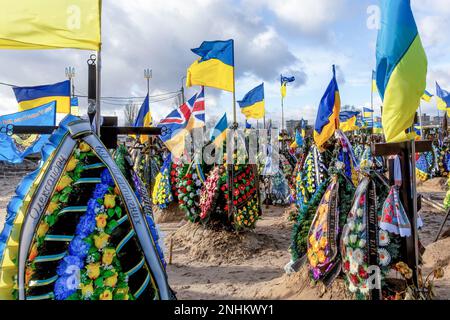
{"points": [[198, 110]]}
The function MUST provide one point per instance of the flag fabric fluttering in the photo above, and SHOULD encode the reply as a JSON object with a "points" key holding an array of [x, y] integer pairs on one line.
{"points": [[252, 105], [197, 119], [298, 142], [215, 67], [32, 97], [74, 106], [367, 117], [401, 69], [219, 133], [144, 118], [427, 96], [303, 128], [443, 98], [51, 24], [175, 127], [374, 81], [348, 121], [44, 115], [284, 81], [327, 120], [247, 125]]}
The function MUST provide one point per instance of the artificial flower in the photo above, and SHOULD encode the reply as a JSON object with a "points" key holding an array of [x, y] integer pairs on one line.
{"points": [[52, 207], [358, 256], [101, 240], [84, 147], [33, 252], [101, 220], [108, 255], [43, 229], [72, 164], [110, 201], [63, 182], [106, 295], [111, 281], [384, 257], [87, 289], [383, 238], [93, 270], [28, 274]]}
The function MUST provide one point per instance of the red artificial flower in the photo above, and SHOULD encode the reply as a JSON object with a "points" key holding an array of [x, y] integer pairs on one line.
{"points": [[354, 279], [388, 218], [189, 182], [235, 202], [347, 266]]}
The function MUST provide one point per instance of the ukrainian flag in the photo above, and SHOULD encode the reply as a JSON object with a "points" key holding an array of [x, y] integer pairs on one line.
{"points": [[348, 121], [219, 133], [144, 118], [32, 97], [374, 81], [252, 105], [443, 98], [377, 128], [401, 69], [298, 142], [327, 120], [284, 82], [427, 96], [215, 68], [303, 127], [50, 24]]}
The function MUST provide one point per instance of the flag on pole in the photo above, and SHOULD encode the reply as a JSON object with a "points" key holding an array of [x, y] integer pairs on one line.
{"points": [[175, 129], [284, 82], [443, 98], [252, 105], [401, 69], [50, 24], [32, 97], [374, 81], [348, 121], [327, 120], [144, 118], [219, 133], [197, 119], [427, 96], [215, 68]]}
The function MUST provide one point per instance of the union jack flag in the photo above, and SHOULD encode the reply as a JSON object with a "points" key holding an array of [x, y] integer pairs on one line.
{"points": [[198, 110]]}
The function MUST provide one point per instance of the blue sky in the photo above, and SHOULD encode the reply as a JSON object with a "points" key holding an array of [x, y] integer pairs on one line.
{"points": [[299, 37]]}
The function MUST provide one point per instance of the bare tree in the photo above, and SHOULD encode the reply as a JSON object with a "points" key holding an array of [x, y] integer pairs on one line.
{"points": [[130, 113]]}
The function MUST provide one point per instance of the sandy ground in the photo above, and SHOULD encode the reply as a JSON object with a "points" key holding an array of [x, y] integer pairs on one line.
{"points": [[208, 265]]}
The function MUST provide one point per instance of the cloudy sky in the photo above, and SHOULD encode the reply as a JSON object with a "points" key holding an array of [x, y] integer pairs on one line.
{"points": [[293, 37]]}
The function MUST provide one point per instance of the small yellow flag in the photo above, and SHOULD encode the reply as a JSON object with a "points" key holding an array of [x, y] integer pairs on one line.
{"points": [[50, 24]]}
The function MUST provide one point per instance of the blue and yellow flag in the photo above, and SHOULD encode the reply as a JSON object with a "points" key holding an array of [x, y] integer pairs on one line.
{"points": [[284, 81], [327, 120], [144, 118], [252, 105], [50, 24], [215, 68], [219, 133], [348, 121], [401, 69], [298, 142], [374, 81], [443, 98], [377, 128], [303, 128], [427, 96], [32, 97]]}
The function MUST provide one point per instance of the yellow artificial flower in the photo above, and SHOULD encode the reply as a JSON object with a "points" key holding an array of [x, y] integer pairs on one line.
{"points": [[101, 240], [321, 256], [33, 252], [84, 147], [124, 292], [110, 201], [108, 256], [101, 220], [106, 295], [313, 260], [111, 281], [64, 182], [43, 228], [52, 207], [93, 270], [312, 239], [87, 289], [323, 242], [72, 164]]}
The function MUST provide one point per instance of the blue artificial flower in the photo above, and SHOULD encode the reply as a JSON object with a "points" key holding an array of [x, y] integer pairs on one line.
{"points": [[107, 178], [61, 290], [100, 191], [78, 247], [68, 265], [86, 225]]}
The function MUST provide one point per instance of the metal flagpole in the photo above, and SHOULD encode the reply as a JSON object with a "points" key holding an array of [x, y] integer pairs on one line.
{"points": [[99, 91], [234, 88]]}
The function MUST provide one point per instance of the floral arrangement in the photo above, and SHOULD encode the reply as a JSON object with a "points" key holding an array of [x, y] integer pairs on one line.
{"points": [[354, 243], [301, 228], [188, 191], [162, 192], [210, 192], [442, 156], [422, 167], [60, 198], [91, 253]]}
